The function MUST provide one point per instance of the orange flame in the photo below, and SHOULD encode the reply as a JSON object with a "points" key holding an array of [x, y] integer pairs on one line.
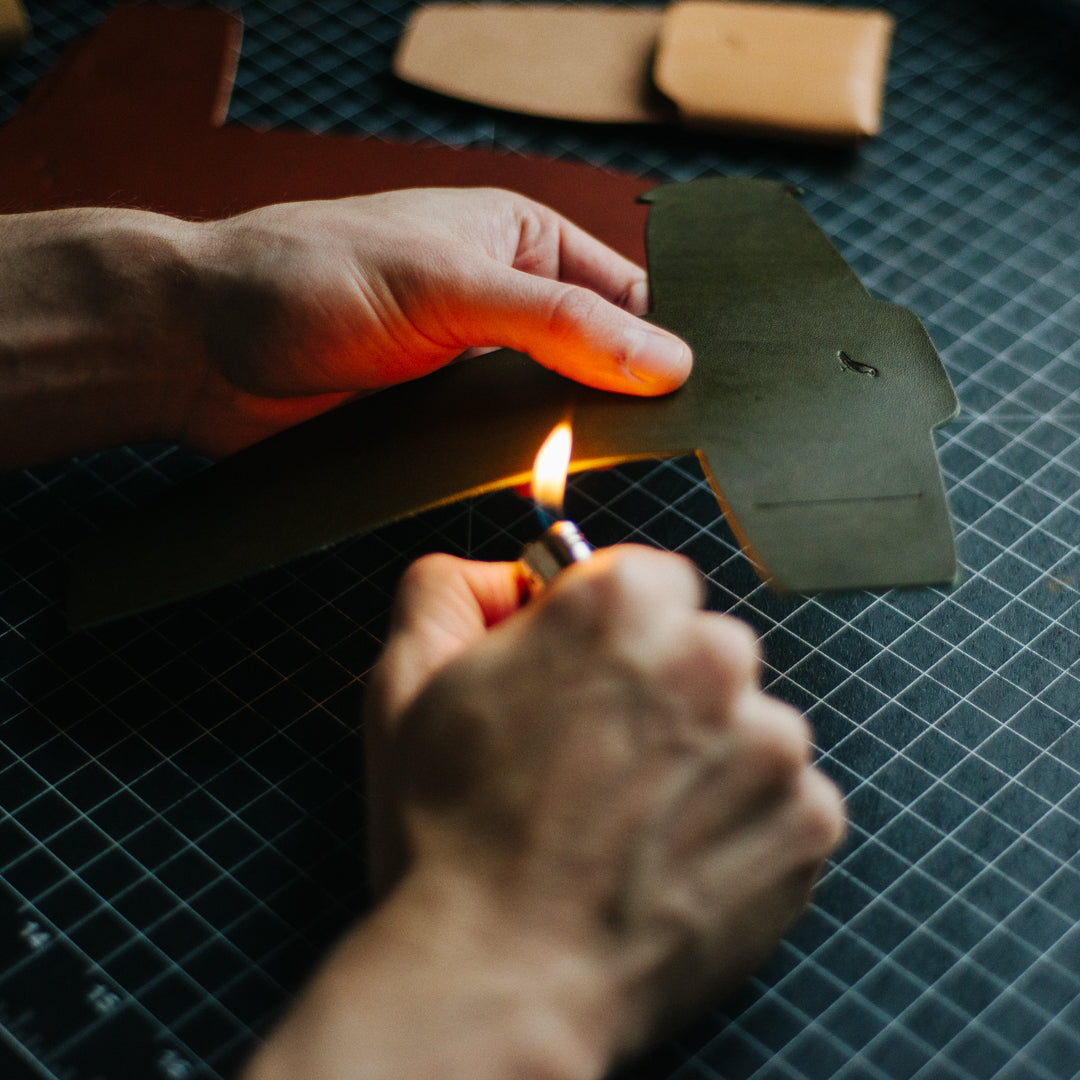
{"points": [[550, 468]]}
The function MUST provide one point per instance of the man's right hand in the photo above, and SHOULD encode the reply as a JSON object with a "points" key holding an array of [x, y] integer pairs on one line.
{"points": [[602, 772], [609, 825]]}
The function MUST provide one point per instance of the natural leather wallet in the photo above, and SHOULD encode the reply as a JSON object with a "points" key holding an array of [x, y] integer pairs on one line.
{"points": [[766, 69]]}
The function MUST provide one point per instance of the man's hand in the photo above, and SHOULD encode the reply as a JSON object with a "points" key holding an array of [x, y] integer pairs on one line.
{"points": [[121, 325], [342, 297], [608, 826]]}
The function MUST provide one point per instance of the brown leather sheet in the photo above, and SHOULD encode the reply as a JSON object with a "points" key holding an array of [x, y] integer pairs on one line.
{"points": [[134, 117]]}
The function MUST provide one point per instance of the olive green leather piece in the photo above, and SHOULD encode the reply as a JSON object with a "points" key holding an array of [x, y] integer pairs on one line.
{"points": [[813, 404], [811, 408]]}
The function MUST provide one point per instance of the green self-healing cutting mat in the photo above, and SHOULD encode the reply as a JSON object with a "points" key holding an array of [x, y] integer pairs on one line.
{"points": [[183, 815]]}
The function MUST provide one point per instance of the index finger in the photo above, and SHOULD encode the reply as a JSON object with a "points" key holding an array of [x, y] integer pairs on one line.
{"points": [[553, 246], [584, 260]]}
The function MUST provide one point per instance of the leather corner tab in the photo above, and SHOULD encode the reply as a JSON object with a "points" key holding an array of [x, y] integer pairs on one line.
{"points": [[792, 69]]}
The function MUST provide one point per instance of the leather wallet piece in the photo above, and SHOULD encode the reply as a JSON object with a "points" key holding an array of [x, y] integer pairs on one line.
{"points": [[812, 403], [775, 68], [567, 62], [770, 69], [811, 408]]}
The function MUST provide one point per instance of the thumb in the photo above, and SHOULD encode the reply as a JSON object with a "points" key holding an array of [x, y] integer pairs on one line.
{"points": [[579, 334], [442, 606]]}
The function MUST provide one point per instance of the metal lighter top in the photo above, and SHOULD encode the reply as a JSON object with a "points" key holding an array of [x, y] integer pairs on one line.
{"points": [[557, 547]]}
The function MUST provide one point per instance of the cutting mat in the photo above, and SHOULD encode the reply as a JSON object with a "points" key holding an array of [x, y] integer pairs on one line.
{"points": [[183, 817]]}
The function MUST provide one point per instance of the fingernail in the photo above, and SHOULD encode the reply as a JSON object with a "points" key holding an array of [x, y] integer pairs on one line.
{"points": [[658, 359]]}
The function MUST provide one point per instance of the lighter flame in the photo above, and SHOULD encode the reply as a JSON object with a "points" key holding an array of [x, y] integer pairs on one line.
{"points": [[550, 468]]}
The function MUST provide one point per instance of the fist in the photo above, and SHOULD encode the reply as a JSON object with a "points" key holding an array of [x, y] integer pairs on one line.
{"points": [[601, 775]]}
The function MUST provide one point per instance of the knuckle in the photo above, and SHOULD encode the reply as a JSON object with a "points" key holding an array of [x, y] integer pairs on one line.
{"points": [[587, 607], [425, 569], [572, 309], [797, 724], [622, 610], [626, 578], [608, 586], [737, 651], [779, 739], [821, 813], [660, 578], [643, 597], [417, 580], [743, 639]]}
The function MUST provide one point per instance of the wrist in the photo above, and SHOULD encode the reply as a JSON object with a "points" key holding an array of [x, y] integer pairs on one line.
{"points": [[543, 997], [438, 982], [99, 344]]}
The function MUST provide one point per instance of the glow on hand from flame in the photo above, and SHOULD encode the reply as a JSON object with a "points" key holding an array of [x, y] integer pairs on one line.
{"points": [[550, 468]]}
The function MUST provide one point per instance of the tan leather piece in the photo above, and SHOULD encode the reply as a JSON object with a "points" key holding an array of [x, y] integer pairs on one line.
{"points": [[784, 68], [14, 26], [570, 63], [774, 69]]}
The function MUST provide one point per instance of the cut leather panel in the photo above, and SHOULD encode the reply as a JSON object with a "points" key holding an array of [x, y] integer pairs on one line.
{"points": [[570, 63]]}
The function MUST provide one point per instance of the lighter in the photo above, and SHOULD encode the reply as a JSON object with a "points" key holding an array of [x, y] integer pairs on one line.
{"points": [[561, 543]]}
